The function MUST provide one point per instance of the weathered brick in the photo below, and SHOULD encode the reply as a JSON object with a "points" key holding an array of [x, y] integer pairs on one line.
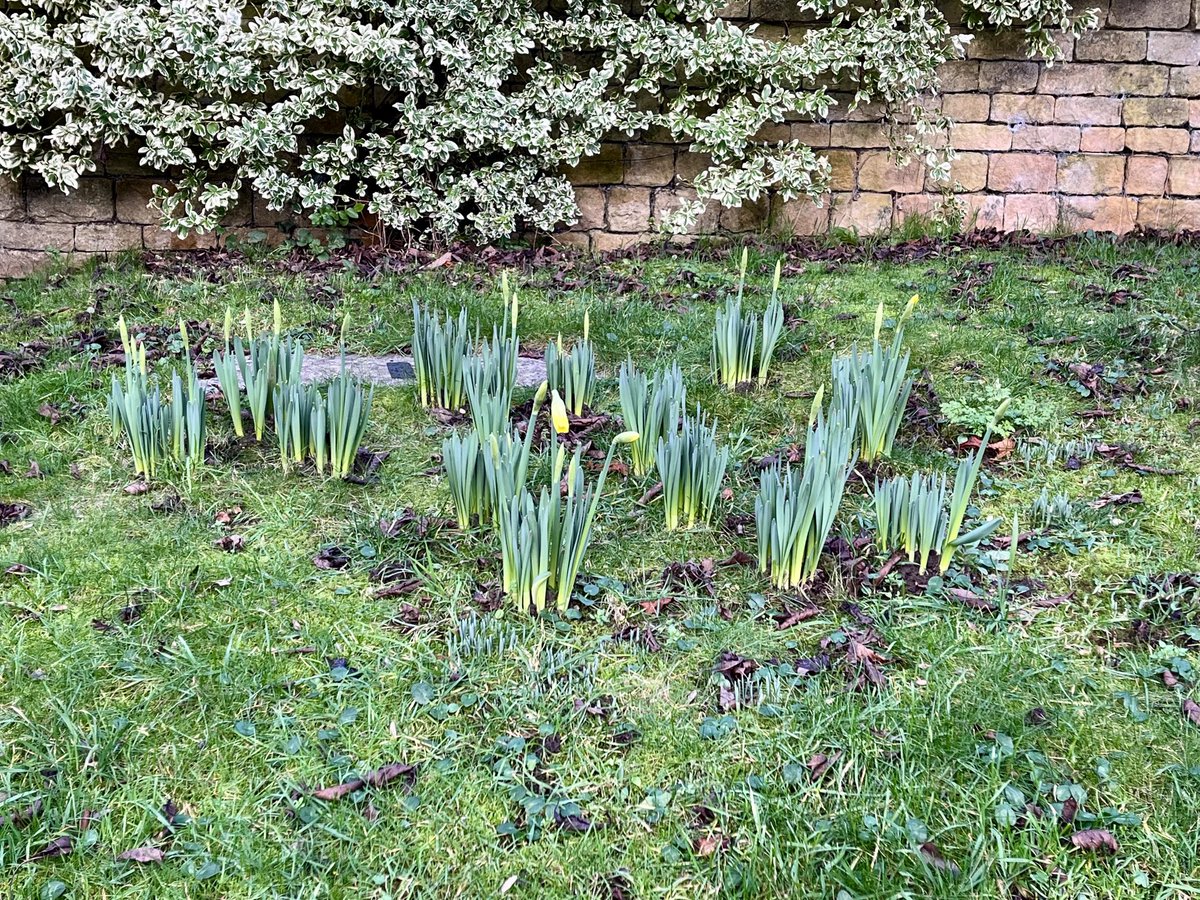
{"points": [[158, 239], [1116, 215], [591, 202], [1169, 215], [842, 167], [1016, 109], [863, 213], [689, 164], [773, 132], [966, 107], [92, 201], [1104, 79], [1184, 176], [1034, 212], [997, 45], [1013, 77], [1087, 111], [973, 136], [1194, 113], [606, 242], [654, 164], [606, 167], [982, 210], [20, 263], [967, 170], [108, 237], [628, 209], [12, 199], [1194, 145], [133, 197], [959, 75], [667, 200], [1021, 172], [1146, 175], [857, 134], [1149, 13], [1177, 48], [800, 216], [575, 240], [877, 171], [1111, 46], [1056, 138], [1157, 140], [30, 236], [1102, 140], [813, 134], [1088, 173], [1156, 111], [1185, 82]]}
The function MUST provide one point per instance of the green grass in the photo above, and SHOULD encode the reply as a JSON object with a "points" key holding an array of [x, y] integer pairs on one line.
{"points": [[221, 695]]}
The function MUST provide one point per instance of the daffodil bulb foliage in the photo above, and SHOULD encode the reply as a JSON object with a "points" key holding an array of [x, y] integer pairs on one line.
{"points": [[738, 355], [572, 371]]}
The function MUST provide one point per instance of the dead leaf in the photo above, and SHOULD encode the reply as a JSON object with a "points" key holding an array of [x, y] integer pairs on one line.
{"points": [[134, 488], [933, 856], [142, 855], [1126, 499], [51, 412], [231, 543], [820, 763], [1094, 840], [1191, 711], [331, 558]]}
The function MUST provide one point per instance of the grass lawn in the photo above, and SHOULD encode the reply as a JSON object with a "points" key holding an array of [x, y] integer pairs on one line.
{"points": [[160, 692]]}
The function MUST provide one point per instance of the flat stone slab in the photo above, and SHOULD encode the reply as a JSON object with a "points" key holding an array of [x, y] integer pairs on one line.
{"points": [[396, 369]]}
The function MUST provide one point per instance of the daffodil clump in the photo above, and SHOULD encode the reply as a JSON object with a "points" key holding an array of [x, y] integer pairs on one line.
{"points": [[738, 356], [691, 469], [877, 383], [572, 371], [652, 408]]}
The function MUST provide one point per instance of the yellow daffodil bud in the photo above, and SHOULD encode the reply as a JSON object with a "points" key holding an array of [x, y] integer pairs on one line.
{"points": [[587, 323], [278, 318], [878, 320], [228, 325], [124, 329], [540, 397], [1001, 410], [558, 414], [627, 437]]}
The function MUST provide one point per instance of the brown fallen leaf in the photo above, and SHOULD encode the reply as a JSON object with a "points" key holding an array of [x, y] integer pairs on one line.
{"points": [[23, 816], [1191, 711], [134, 488], [34, 470], [1094, 840], [231, 543], [1070, 809], [378, 778], [932, 855], [655, 607], [650, 494], [331, 558], [142, 855], [820, 763], [1126, 499], [51, 412]]}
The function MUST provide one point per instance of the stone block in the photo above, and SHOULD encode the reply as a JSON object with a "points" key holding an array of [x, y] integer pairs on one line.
{"points": [[133, 198], [1104, 79], [857, 134], [877, 171], [752, 215], [652, 164], [1156, 111], [1176, 48], [92, 201], [997, 45], [628, 209], [1157, 140], [1091, 173], [606, 242], [968, 173], [800, 216], [1184, 176], [1169, 215], [159, 239], [22, 263], [1024, 173], [814, 134], [1030, 212], [982, 210], [1149, 13], [1054, 138], [33, 236], [574, 240], [1087, 111], [1111, 46], [1185, 82], [12, 199], [108, 237], [1102, 140], [1017, 109], [843, 164], [1011, 77], [959, 75], [1115, 215], [966, 107], [665, 201], [606, 167], [689, 164], [1146, 175], [591, 202], [862, 213], [973, 136]]}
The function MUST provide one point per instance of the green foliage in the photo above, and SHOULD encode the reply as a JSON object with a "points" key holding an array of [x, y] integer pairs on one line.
{"points": [[463, 464], [300, 424], [439, 350], [572, 372], [459, 119], [795, 510], [877, 384], [974, 411], [736, 336], [347, 408], [651, 408], [692, 470]]}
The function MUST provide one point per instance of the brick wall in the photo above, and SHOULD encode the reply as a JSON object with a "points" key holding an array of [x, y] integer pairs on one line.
{"points": [[1108, 139]]}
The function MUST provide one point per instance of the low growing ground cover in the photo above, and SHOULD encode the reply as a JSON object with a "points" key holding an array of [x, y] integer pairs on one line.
{"points": [[246, 683]]}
